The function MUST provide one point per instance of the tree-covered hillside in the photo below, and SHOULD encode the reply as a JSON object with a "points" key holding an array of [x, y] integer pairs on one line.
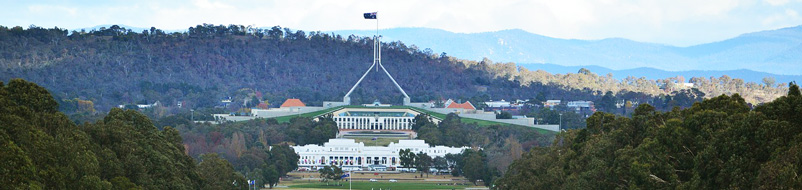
{"points": [[40, 148], [93, 71], [116, 66], [718, 143]]}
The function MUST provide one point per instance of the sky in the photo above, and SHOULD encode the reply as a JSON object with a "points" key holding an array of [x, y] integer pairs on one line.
{"points": [[671, 22]]}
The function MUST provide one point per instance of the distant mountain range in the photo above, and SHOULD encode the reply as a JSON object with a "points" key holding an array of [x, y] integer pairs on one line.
{"points": [[652, 73], [132, 28], [752, 56]]}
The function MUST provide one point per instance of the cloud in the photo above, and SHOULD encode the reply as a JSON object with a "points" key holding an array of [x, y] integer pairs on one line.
{"points": [[776, 2], [676, 22]]}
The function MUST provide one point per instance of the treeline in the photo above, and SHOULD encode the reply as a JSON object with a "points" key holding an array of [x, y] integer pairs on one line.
{"points": [[116, 66], [246, 144], [40, 148], [501, 144], [719, 143], [599, 84]]}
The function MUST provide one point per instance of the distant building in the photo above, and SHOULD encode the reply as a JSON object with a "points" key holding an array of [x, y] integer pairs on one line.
{"points": [[503, 106], [551, 103], [350, 155], [145, 106], [293, 102], [580, 105], [585, 108], [465, 105], [374, 118], [377, 104], [262, 105], [225, 102], [498, 104]]}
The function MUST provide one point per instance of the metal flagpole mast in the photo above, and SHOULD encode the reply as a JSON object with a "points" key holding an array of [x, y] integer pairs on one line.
{"points": [[350, 181], [376, 44]]}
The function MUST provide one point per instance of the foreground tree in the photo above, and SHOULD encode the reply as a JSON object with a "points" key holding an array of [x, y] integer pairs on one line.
{"points": [[331, 173], [40, 148], [718, 143], [219, 174], [423, 162]]}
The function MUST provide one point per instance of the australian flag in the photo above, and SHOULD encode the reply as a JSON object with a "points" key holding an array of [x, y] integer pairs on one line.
{"points": [[370, 15]]}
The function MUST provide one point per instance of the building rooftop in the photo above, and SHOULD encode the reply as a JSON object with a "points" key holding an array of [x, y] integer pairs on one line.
{"points": [[376, 113], [467, 105], [293, 102]]}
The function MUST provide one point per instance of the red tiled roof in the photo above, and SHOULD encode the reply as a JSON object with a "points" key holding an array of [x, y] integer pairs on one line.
{"points": [[467, 105], [293, 103]]}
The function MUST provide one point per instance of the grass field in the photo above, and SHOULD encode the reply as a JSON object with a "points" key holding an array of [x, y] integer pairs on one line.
{"points": [[309, 180], [381, 141], [285, 119], [379, 185]]}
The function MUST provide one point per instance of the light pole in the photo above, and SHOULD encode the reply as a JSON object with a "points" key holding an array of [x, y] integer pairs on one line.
{"points": [[560, 127]]}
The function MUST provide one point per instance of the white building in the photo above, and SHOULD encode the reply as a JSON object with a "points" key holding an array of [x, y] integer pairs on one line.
{"points": [[368, 118], [498, 104], [551, 103], [579, 104], [349, 155]]}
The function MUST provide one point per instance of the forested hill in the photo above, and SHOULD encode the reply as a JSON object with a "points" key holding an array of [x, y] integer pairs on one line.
{"points": [[719, 143], [117, 66], [99, 69]]}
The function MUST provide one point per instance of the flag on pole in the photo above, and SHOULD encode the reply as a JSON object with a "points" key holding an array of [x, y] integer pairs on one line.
{"points": [[370, 15]]}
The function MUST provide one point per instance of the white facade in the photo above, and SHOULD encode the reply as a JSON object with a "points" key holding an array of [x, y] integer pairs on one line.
{"points": [[350, 155], [374, 123], [378, 119], [579, 104], [496, 104]]}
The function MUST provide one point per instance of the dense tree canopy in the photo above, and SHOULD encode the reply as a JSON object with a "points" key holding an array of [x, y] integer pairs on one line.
{"points": [[103, 68], [718, 143], [43, 149]]}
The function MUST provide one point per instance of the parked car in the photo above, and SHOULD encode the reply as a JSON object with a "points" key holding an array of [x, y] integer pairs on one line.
{"points": [[373, 180], [392, 180]]}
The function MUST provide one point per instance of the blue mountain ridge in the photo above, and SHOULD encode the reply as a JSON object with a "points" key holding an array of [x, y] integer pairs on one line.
{"points": [[751, 56], [652, 73]]}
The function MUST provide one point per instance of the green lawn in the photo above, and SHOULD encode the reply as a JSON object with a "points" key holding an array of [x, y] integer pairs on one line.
{"points": [[380, 141], [478, 121], [286, 119], [377, 185]]}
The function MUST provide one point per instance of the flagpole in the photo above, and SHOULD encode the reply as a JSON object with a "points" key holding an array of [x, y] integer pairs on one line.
{"points": [[349, 172]]}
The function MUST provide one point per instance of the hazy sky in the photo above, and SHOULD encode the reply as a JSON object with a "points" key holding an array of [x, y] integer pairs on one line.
{"points": [[673, 22]]}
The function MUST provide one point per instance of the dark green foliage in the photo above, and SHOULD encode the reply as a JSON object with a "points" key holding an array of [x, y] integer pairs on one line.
{"points": [[503, 115], [331, 173], [31, 96], [43, 149], [48, 150], [474, 165], [113, 66], [238, 140], [715, 144], [270, 174], [407, 158], [502, 144], [423, 162], [218, 174], [130, 146]]}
